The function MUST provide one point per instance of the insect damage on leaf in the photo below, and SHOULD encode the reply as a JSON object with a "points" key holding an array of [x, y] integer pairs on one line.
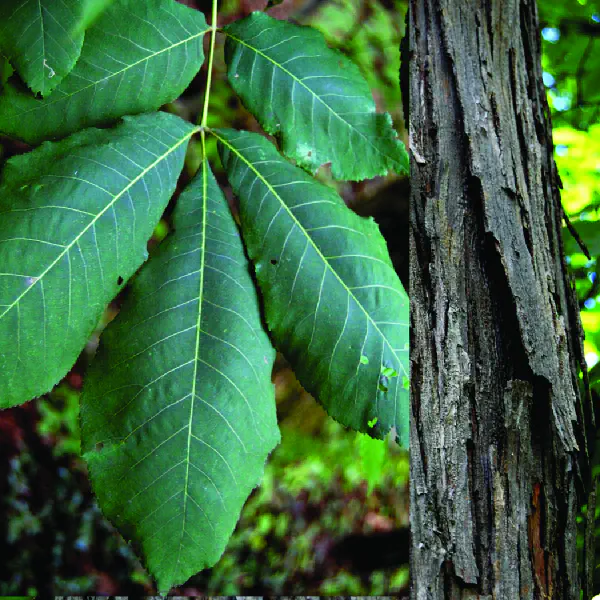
{"points": [[388, 371], [312, 97], [335, 297]]}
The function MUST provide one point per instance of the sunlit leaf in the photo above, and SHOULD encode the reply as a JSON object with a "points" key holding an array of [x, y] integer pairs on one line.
{"points": [[75, 217], [373, 454], [591, 320], [180, 397], [577, 155]]}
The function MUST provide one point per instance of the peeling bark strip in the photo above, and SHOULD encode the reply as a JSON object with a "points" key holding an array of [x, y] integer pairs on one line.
{"points": [[497, 431]]}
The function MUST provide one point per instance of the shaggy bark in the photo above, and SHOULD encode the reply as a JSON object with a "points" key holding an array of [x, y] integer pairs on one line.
{"points": [[498, 451]]}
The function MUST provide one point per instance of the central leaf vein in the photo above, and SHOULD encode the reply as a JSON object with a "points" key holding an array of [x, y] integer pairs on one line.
{"points": [[92, 223], [272, 190]]}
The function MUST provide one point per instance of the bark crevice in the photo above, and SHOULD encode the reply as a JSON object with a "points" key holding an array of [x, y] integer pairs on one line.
{"points": [[497, 447]]}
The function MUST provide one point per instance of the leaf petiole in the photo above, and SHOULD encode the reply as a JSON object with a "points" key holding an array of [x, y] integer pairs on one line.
{"points": [[211, 54]]}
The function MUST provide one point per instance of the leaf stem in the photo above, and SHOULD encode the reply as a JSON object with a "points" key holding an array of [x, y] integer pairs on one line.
{"points": [[203, 141], [213, 35]]}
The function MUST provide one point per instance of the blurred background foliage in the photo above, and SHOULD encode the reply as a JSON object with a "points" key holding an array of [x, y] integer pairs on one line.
{"points": [[331, 515], [571, 65], [570, 32]]}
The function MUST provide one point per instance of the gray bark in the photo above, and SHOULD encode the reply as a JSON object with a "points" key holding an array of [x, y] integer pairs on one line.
{"points": [[498, 451]]}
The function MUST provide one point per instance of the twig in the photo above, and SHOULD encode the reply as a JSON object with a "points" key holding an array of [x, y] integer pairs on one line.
{"points": [[577, 237]]}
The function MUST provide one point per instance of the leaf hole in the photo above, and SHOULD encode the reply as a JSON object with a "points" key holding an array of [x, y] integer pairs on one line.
{"points": [[273, 261], [119, 280], [99, 446]]}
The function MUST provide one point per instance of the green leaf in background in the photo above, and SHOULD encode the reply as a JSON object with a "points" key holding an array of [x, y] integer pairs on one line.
{"points": [[180, 396], [127, 66], [331, 295], [373, 454], [570, 56], [369, 34], [312, 97], [38, 37], [577, 155], [6, 70], [75, 217], [595, 375]]}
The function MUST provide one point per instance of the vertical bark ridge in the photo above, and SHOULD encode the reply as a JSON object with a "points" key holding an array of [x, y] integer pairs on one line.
{"points": [[497, 432]]}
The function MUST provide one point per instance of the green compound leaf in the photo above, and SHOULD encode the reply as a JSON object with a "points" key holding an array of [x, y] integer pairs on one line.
{"points": [[180, 396], [312, 97], [333, 302], [136, 57], [75, 217], [37, 37]]}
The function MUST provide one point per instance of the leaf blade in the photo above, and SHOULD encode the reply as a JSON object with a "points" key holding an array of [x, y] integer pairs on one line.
{"points": [[91, 10], [204, 404], [332, 298], [331, 118], [38, 38], [146, 67], [64, 206]]}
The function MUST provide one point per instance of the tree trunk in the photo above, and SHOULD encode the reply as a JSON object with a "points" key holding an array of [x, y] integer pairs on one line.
{"points": [[498, 450]]}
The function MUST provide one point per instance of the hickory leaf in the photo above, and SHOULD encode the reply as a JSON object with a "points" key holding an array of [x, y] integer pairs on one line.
{"points": [[128, 65], [312, 97], [38, 37], [75, 216], [178, 412], [331, 295], [92, 9], [180, 396]]}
